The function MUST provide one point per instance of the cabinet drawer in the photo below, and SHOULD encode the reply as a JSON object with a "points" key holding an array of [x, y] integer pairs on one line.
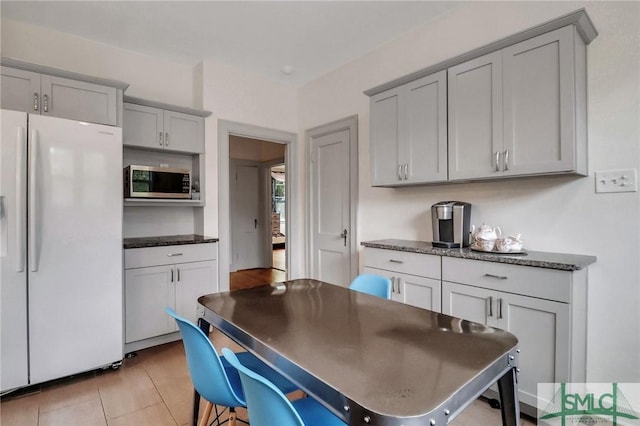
{"points": [[543, 283], [167, 255], [424, 265]]}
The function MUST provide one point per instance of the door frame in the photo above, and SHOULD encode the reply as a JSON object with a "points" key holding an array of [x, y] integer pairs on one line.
{"points": [[265, 174], [225, 129], [350, 124]]}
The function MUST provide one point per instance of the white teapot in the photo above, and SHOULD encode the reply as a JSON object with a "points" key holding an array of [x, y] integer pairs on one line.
{"points": [[485, 232]]}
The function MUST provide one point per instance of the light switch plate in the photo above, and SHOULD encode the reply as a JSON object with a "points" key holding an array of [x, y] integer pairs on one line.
{"points": [[623, 180]]}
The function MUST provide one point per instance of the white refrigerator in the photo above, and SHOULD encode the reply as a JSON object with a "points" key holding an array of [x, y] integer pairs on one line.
{"points": [[60, 248]]}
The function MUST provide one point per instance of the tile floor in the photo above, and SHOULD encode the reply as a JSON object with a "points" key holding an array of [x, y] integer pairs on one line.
{"points": [[152, 388]]}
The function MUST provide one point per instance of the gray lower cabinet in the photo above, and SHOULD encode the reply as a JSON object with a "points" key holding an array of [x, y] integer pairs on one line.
{"points": [[520, 110], [415, 277], [160, 277], [409, 133], [545, 309], [161, 129], [37, 93]]}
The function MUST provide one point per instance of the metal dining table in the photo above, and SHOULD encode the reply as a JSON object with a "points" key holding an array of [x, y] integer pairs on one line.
{"points": [[369, 360]]}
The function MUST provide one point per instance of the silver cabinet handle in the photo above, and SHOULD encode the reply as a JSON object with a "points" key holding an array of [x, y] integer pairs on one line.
{"points": [[36, 101], [21, 167], [396, 261], [490, 299], [406, 171], [400, 172], [500, 277], [178, 271], [497, 161], [393, 284], [33, 207], [506, 159], [160, 140], [500, 308], [171, 274], [399, 279], [166, 139], [45, 103], [174, 254]]}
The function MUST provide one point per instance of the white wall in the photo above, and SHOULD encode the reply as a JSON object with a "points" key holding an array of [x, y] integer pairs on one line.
{"points": [[559, 214]]}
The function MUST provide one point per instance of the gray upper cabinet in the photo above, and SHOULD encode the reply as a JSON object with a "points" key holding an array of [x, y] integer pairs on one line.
{"points": [[37, 93], [409, 133], [544, 92], [157, 128], [475, 117], [516, 107], [517, 111]]}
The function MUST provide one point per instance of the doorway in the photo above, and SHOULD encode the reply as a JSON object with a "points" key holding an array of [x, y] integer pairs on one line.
{"points": [[246, 151]]}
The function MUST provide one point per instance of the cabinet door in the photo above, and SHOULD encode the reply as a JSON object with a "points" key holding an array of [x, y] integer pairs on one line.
{"points": [[384, 127], [475, 118], [539, 104], [469, 303], [423, 136], [419, 291], [542, 329], [20, 90], [183, 132], [192, 281], [142, 126], [147, 292], [78, 100]]}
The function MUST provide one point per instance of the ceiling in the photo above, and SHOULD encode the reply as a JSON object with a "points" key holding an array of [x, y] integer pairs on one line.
{"points": [[287, 41]]}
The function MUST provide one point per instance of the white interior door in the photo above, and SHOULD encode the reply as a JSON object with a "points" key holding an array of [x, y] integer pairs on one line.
{"points": [[330, 205], [245, 218]]}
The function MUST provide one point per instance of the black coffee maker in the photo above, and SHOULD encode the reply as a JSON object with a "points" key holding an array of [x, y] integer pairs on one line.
{"points": [[450, 220]]}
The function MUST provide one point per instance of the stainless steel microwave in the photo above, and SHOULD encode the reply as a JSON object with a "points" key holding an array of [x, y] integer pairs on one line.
{"points": [[156, 182]]}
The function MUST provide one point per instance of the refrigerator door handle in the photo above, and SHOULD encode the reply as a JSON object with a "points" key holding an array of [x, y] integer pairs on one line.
{"points": [[20, 193], [33, 157]]}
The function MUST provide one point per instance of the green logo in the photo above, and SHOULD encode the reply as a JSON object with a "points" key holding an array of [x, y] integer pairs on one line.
{"points": [[604, 404]]}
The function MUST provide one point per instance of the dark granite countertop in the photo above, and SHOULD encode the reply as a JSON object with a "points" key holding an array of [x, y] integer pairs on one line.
{"points": [[540, 259], [167, 240]]}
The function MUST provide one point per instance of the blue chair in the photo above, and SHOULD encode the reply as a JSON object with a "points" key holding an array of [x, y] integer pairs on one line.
{"points": [[213, 378], [268, 406], [372, 284]]}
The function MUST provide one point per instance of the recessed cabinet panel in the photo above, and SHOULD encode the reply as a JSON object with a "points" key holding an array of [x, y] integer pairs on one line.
{"points": [[425, 133], [544, 356], [475, 117], [385, 116], [193, 280], [147, 292], [183, 132], [539, 101], [471, 303], [143, 126], [20, 90], [78, 100]]}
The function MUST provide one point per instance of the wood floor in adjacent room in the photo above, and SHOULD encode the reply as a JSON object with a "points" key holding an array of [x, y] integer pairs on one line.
{"points": [[249, 278], [153, 388]]}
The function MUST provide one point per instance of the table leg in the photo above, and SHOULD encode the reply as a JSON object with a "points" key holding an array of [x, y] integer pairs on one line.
{"points": [[204, 326], [509, 405]]}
